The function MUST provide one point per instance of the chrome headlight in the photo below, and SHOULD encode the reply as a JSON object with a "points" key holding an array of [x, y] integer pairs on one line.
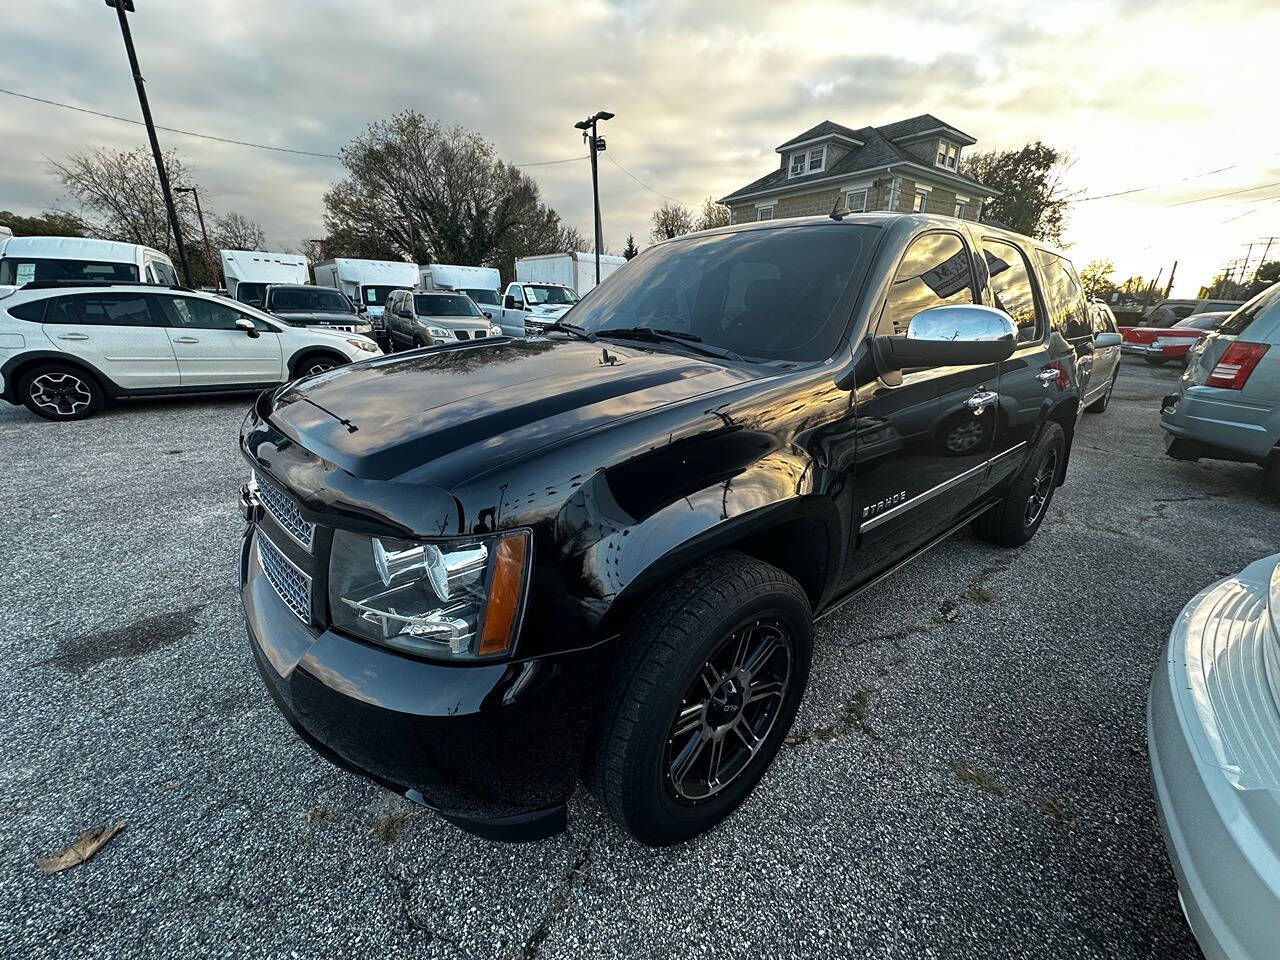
{"points": [[368, 346], [439, 333], [495, 330], [456, 599]]}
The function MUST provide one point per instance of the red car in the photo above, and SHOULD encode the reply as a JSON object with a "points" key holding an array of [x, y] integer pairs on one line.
{"points": [[1159, 345]]}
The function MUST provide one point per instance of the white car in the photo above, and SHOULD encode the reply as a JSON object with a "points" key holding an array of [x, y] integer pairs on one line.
{"points": [[418, 319], [65, 350]]}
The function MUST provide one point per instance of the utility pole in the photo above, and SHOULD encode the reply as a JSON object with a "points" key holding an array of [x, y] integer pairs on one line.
{"points": [[208, 250], [1151, 288], [1168, 287], [121, 6], [597, 144], [1266, 250]]}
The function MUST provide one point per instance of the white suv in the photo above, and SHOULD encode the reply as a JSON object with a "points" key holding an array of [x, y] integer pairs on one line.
{"points": [[64, 350]]}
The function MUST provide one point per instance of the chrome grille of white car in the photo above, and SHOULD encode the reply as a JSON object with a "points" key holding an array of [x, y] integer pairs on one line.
{"points": [[284, 510], [290, 584]]}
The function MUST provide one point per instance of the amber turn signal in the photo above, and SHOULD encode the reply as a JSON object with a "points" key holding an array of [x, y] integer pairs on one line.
{"points": [[503, 607]]}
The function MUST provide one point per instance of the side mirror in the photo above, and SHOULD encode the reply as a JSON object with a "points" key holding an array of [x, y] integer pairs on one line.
{"points": [[247, 325], [1104, 340], [509, 303], [487, 314], [362, 307], [953, 335]]}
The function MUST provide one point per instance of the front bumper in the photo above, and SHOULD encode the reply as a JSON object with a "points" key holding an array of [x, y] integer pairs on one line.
{"points": [[495, 748], [1213, 734]]}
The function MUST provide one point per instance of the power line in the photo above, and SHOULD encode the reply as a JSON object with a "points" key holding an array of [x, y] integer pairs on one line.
{"points": [[1154, 186], [1230, 193], [185, 133], [543, 163], [642, 183]]}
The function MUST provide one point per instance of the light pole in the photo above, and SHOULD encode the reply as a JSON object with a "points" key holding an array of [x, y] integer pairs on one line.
{"points": [[597, 144], [208, 250], [121, 6]]}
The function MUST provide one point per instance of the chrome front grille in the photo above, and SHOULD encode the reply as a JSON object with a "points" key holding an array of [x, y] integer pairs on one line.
{"points": [[284, 510], [291, 584]]}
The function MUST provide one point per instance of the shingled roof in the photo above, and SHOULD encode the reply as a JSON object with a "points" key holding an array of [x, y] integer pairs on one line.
{"points": [[877, 151]]}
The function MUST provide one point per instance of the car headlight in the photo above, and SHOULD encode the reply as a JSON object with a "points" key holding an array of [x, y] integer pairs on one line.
{"points": [[495, 330], [456, 599], [368, 346], [440, 333]]}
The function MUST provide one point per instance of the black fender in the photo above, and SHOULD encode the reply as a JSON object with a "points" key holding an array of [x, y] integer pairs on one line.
{"points": [[16, 366]]}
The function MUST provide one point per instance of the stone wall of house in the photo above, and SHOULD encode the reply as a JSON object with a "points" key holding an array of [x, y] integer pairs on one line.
{"points": [[817, 202], [809, 204]]}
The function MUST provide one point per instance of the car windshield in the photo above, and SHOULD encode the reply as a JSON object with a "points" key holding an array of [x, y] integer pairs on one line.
{"points": [[779, 294], [16, 271], [483, 296], [1239, 321], [444, 305], [310, 300], [536, 293], [1201, 321], [376, 296]]}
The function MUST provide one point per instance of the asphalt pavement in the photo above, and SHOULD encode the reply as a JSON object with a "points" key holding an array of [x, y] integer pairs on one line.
{"points": [[967, 777]]}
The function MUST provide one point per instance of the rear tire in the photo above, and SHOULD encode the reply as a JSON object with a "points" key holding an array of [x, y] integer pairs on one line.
{"points": [[712, 671], [1100, 405], [1016, 518], [59, 391]]}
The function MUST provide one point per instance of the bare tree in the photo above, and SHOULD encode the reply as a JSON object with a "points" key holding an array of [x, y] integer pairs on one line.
{"points": [[235, 231], [671, 220], [712, 215]]}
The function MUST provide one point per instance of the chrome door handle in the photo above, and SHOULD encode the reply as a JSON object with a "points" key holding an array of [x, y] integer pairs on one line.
{"points": [[185, 340], [1047, 377], [73, 336], [981, 400]]}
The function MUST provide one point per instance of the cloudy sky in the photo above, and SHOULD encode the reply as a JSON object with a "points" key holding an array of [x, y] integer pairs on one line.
{"points": [[1176, 97]]}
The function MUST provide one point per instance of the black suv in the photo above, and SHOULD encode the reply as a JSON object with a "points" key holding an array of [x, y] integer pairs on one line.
{"points": [[475, 573], [305, 305]]}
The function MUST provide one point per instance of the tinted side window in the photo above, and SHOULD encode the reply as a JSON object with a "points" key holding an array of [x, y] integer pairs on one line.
{"points": [[1068, 311], [101, 309], [199, 314], [31, 311], [934, 271], [1011, 288], [1239, 321], [164, 273]]}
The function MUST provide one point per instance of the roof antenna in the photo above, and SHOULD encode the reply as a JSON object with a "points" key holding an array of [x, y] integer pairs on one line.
{"points": [[836, 213]]}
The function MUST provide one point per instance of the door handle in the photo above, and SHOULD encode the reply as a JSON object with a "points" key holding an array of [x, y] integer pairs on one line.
{"points": [[1047, 377], [73, 336], [185, 340], [981, 400]]}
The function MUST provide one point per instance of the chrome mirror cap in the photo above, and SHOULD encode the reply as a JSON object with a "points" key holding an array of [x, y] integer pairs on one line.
{"points": [[962, 322]]}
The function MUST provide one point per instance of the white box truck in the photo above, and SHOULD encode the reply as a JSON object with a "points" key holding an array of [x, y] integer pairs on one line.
{"points": [[481, 284], [247, 272], [577, 271], [24, 259], [367, 282]]}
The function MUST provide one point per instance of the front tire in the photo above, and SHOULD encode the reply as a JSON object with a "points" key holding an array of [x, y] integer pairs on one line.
{"points": [[313, 363], [59, 391], [713, 668], [1016, 518]]}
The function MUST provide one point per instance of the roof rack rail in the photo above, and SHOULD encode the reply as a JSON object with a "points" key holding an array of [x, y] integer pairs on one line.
{"points": [[58, 284]]}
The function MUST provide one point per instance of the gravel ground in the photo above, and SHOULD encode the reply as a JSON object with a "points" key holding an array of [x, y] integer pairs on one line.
{"points": [[967, 777]]}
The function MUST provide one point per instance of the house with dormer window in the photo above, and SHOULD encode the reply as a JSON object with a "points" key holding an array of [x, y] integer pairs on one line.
{"points": [[911, 165]]}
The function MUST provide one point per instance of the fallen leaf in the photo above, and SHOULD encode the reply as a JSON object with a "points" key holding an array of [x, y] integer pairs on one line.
{"points": [[84, 846]]}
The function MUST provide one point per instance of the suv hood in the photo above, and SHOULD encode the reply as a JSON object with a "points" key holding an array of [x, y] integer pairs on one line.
{"points": [[457, 323], [444, 415]]}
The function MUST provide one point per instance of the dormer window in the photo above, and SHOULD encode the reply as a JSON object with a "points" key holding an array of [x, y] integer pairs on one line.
{"points": [[807, 161], [948, 155]]}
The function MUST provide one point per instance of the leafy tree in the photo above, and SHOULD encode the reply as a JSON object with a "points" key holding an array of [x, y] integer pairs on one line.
{"points": [[51, 223], [1032, 199], [671, 220], [419, 191], [629, 251], [1096, 278], [712, 215]]}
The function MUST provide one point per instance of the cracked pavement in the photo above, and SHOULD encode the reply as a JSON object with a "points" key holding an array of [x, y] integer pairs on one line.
{"points": [[967, 776]]}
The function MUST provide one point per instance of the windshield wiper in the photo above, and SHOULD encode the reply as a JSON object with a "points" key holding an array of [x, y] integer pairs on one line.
{"points": [[690, 341], [571, 329]]}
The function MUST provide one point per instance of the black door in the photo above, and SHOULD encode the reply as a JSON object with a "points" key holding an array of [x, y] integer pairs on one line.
{"points": [[1029, 381], [922, 441]]}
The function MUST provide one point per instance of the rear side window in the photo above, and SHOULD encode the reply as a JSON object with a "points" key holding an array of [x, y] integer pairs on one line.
{"points": [[1068, 311], [935, 271], [31, 311], [198, 314], [1241, 320], [164, 273], [101, 309], [1011, 288]]}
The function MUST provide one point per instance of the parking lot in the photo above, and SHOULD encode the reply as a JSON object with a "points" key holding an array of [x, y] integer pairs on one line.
{"points": [[967, 778]]}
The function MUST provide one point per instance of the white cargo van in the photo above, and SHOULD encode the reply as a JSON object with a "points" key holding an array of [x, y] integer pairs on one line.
{"points": [[25, 259], [577, 271], [367, 282], [248, 272]]}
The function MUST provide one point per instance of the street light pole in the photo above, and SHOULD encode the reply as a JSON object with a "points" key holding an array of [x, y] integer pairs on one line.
{"points": [[121, 6], [597, 144], [208, 250]]}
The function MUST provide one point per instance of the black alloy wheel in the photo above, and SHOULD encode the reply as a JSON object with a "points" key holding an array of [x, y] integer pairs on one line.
{"points": [[60, 392], [1015, 519]]}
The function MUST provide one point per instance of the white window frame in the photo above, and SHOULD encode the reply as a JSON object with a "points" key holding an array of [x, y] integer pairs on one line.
{"points": [[802, 157], [770, 207], [855, 192], [950, 153], [921, 196], [805, 158], [961, 206]]}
